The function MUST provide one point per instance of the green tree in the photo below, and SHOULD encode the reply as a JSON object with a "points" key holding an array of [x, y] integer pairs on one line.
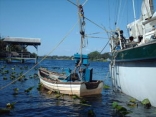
{"points": [[94, 55], [2, 45], [33, 55]]}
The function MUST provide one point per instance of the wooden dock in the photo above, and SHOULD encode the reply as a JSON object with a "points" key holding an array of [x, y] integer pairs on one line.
{"points": [[21, 56]]}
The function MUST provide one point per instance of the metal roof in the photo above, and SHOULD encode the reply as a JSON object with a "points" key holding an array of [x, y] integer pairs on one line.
{"points": [[21, 40]]}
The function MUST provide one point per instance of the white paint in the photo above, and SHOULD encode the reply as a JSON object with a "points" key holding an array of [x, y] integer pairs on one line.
{"points": [[136, 79]]}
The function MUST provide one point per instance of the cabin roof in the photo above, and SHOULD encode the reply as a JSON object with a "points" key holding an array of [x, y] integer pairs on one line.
{"points": [[21, 40]]}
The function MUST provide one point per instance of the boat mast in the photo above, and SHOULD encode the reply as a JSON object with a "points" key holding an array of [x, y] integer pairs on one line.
{"points": [[81, 23], [134, 17], [151, 6]]}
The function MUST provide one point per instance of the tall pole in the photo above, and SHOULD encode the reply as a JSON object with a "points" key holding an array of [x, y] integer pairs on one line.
{"points": [[151, 6], [81, 24], [134, 18]]}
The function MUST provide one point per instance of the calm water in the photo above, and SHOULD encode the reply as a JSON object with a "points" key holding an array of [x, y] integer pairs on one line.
{"points": [[41, 104]]}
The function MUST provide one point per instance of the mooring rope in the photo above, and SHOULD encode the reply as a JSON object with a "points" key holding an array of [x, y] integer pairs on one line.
{"points": [[42, 58]]}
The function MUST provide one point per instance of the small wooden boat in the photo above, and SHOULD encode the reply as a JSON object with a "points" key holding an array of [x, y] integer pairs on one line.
{"points": [[78, 83]]}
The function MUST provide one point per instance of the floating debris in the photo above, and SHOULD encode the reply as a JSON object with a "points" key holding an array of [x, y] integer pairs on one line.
{"points": [[12, 76], [120, 109], [133, 100], [49, 92], [106, 86], [5, 72], [29, 89], [57, 96], [21, 68], [39, 86], [36, 68], [35, 75], [56, 91], [91, 113], [2, 67], [4, 110], [84, 102], [15, 91], [13, 68], [10, 105], [26, 67], [4, 78], [75, 97], [146, 103], [30, 76], [132, 103]]}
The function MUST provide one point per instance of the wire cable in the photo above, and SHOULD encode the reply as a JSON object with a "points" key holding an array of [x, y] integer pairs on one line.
{"points": [[42, 58]]}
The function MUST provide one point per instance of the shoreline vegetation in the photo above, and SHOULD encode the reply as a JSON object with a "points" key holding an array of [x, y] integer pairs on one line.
{"points": [[93, 56], [68, 58], [15, 49]]}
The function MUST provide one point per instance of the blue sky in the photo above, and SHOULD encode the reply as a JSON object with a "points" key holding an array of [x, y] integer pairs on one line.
{"points": [[51, 20]]}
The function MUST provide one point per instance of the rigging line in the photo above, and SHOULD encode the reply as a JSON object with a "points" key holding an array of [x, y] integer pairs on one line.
{"points": [[118, 12], [109, 13], [106, 43], [125, 1], [96, 37], [95, 33], [127, 17], [107, 76], [85, 2], [72, 3], [76, 4], [97, 25], [42, 58], [105, 46]]}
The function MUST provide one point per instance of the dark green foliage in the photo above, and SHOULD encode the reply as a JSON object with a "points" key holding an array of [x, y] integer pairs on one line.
{"points": [[15, 91], [94, 55], [106, 86], [33, 55], [75, 97], [4, 111], [4, 78], [39, 86], [29, 89], [120, 109], [132, 103], [35, 75], [10, 105], [2, 47], [91, 113], [57, 96], [146, 103], [84, 102]]}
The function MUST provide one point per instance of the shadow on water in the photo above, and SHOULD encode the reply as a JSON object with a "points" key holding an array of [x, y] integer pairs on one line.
{"points": [[32, 102]]}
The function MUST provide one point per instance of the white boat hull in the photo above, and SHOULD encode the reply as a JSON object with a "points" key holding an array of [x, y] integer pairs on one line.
{"points": [[136, 79], [71, 88]]}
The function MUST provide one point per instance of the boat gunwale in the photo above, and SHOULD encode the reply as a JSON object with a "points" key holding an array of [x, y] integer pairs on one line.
{"points": [[69, 82], [135, 59], [146, 44]]}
